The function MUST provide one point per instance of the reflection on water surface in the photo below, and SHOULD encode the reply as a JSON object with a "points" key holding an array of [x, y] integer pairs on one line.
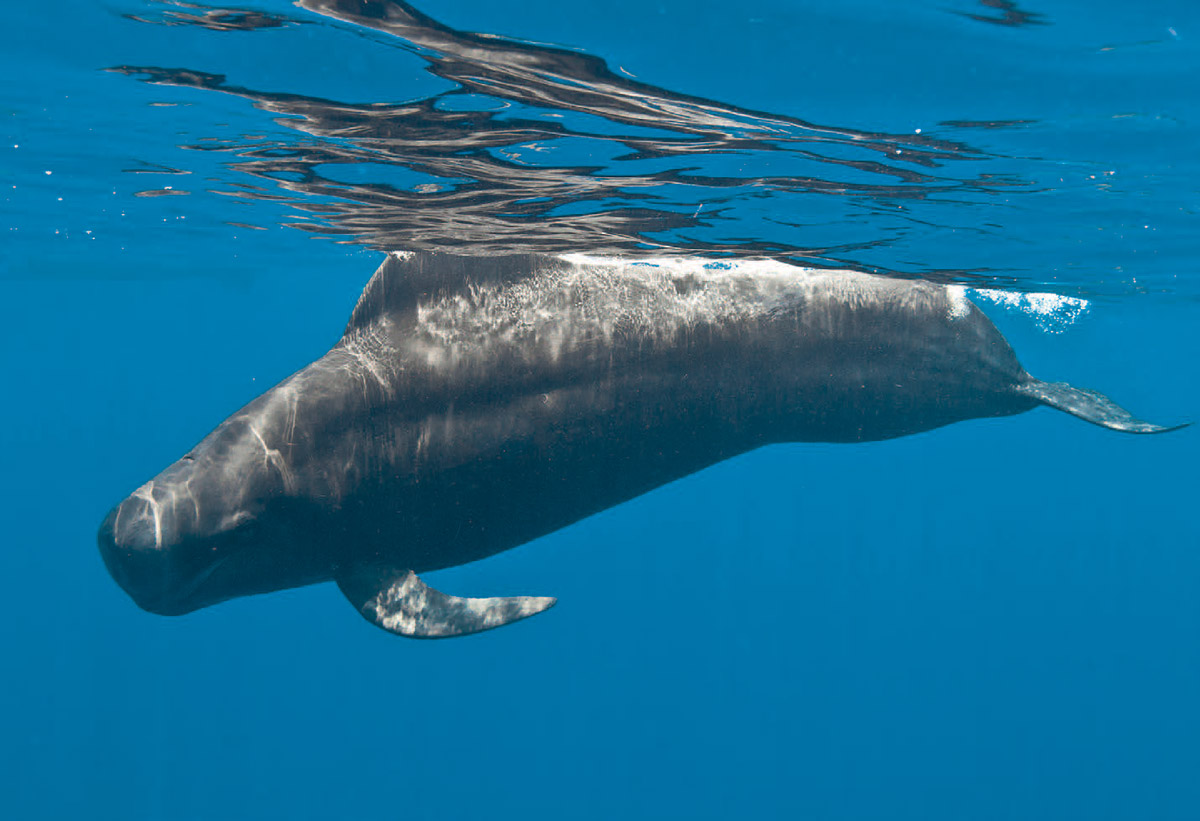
{"points": [[539, 148]]}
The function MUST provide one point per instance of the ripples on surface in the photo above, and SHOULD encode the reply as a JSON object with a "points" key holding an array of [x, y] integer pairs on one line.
{"points": [[505, 145], [545, 149]]}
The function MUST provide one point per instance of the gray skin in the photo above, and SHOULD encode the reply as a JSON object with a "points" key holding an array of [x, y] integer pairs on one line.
{"points": [[473, 405]]}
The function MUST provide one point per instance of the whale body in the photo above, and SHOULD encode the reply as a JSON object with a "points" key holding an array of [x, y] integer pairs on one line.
{"points": [[472, 405]]}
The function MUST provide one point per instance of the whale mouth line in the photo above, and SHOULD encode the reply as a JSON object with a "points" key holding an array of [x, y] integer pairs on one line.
{"points": [[181, 595], [171, 597]]}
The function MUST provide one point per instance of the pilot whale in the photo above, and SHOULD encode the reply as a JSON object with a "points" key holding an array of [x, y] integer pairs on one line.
{"points": [[474, 404]]}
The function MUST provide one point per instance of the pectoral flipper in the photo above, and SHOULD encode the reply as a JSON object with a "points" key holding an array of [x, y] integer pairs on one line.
{"points": [[399, 602]]}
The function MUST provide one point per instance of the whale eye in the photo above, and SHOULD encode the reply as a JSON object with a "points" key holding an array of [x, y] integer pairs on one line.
{"points": [[235, 519]]}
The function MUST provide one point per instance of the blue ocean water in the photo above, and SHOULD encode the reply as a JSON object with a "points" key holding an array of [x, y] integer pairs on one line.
{"points": [[997, 619]]}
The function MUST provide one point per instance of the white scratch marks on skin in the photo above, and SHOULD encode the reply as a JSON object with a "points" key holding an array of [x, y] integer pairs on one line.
{"points": [[274, 458], [580, 303], [348, 466], [292, 398], [584, 303], [187, 487], [146, 494], [367, 356]]}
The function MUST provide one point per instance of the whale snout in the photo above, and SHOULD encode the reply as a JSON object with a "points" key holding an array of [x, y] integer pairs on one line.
{"points": [[131, 544]]}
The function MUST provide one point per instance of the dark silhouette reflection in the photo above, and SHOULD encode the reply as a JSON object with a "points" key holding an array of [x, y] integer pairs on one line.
{"points": [[547, 150], [217, 19], [1006, 14]]}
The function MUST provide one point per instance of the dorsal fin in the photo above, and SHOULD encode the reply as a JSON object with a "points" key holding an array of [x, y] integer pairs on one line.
{"points": [[389, 289], [407, 278]]}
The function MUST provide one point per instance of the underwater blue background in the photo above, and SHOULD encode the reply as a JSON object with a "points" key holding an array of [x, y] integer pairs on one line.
{"points": [[995, 620]]}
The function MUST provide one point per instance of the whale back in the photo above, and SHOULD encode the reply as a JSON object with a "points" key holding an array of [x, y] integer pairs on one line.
{"points": [[406, 278]]}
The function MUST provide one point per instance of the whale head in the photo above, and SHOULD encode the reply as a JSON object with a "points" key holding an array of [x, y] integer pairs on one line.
{"points": [[219, 523]]}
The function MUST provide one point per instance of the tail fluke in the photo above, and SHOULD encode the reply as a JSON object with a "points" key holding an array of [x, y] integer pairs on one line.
{"points": [[1090, 406]]}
